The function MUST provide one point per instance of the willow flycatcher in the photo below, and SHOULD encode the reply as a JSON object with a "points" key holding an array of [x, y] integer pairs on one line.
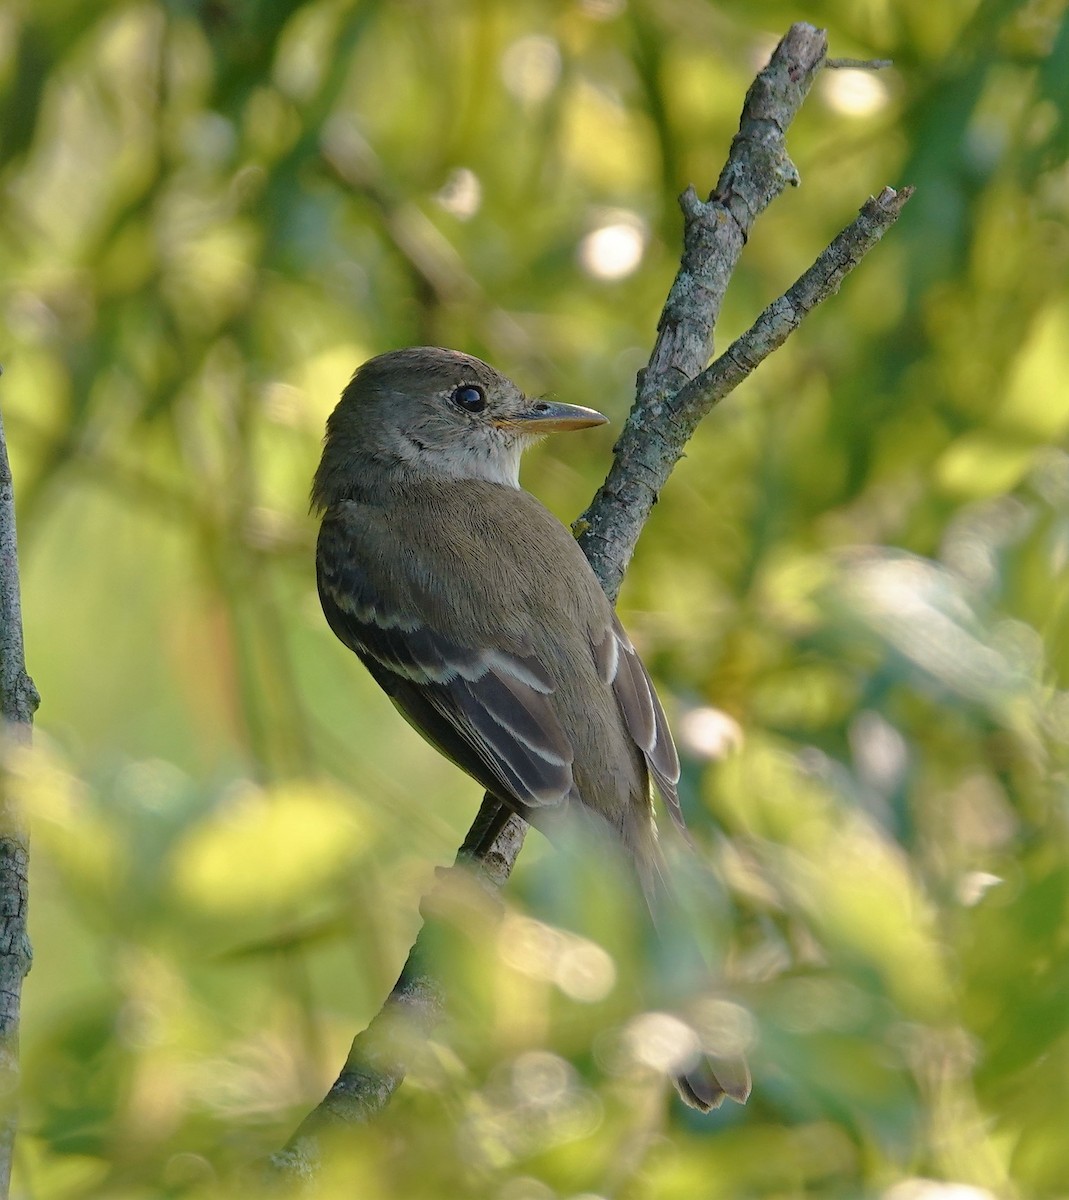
{"points": [[475, 610]]}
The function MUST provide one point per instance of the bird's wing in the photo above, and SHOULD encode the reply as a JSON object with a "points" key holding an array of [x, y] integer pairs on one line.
{"points": [[489, 711], [621, 668]]}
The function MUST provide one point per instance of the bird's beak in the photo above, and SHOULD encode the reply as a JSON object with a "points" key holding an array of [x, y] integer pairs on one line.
{"points": [[543, 416]]}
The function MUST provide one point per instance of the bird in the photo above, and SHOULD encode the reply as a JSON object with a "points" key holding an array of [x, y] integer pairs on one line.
{"points": [[475, 610]]}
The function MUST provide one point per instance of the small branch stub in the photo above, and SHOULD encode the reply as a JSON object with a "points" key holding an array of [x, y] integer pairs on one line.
{"points": [[858, 64]]}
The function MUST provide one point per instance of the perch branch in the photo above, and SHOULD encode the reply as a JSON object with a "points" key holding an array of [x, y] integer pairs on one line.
{"points": [[757, 170], [376, 1063], [18, 702], [674, 392]]}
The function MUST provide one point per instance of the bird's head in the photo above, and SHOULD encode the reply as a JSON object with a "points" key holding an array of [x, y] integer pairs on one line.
{"points": [[431, 412]]}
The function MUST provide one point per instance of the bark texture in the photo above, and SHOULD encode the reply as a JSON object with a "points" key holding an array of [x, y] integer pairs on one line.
{"points": [[18, 702]]}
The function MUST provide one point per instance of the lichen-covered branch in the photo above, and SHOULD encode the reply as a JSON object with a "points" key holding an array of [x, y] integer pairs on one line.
{"points": [[783, 316], [757, 170], [18, 702], [675, 391], [657, 433]]}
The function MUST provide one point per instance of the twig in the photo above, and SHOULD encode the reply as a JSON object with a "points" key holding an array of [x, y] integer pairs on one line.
{"points": [[858, 64], [18, 702], [674, 392], [783, 316]]}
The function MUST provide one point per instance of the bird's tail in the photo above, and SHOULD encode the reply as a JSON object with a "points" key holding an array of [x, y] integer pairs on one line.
{"points": [[705, 1085], [716, 1066], [710, 1076]]}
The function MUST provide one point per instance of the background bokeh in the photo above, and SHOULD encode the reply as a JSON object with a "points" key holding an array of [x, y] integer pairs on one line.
{"points": [[854, 593]]}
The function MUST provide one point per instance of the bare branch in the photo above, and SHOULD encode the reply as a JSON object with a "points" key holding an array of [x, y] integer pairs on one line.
{"points": [[756, 172], [376, 1063], [783, 316], [18, 702]]}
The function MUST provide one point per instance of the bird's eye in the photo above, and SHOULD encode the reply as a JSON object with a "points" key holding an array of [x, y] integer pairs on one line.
{"points": [[469, 397]]}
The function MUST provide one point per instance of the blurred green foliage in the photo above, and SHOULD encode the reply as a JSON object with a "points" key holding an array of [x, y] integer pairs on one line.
{"points": [[854, 594]]}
